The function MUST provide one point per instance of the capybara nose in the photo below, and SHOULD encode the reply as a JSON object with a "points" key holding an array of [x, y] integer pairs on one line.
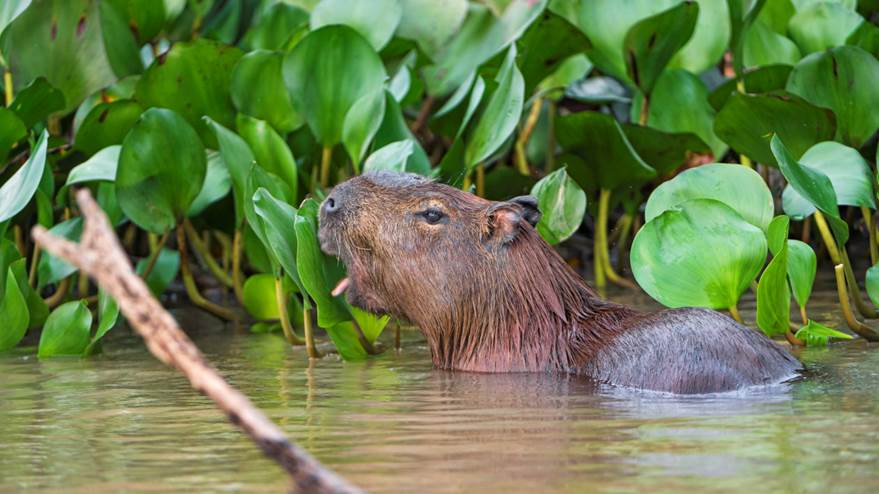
{"points": [[332, 204]]}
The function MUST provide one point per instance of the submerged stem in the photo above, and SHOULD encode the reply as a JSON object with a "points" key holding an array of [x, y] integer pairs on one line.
{"points": [[858, 327], [310, 347], [281, 301], [189, 283]]}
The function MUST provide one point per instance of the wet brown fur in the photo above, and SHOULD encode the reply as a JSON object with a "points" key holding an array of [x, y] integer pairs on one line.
{"points": [[491, 296]]}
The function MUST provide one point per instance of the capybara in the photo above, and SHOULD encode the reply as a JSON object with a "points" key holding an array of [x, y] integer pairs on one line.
{"points": [[490, 295]]}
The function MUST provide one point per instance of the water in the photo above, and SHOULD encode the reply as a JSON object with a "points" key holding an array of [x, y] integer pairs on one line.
{"points": [[124, 422]]}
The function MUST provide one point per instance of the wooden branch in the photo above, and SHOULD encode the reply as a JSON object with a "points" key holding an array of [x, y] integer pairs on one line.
{"points": [[100, 255]]}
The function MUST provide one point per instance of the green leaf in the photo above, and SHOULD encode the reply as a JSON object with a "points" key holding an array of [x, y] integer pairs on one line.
{"points": [[375, 20], [652, 42], [120, 45], [763, 46], [562, 203], [259, 178], [259, 297], [872, 284], [349, 68], [278, 219], [664, 151], [14, 316], [391, 157], [842, 79], [347, 342], [679, 103], [362, 123], [823, 25], [18, 190], [238, 159], [599, 140], [273, 26], [393, 129], [60, 40], [760, 80], [481, 37], [52, 269], [606, 24], [700, 253], [709, 40], [147, 17], [740, 188], [371, 325], [9, 10], [500, 116], [815, 334], [773, 294], [161, 170], [108, 314], [258, 90], [193, 79], [430, 23], [270, 149], [848, 171], [67, 331], [742, 14], [100, 167], [319, 273], [37, 101], [106, 125], [813, 185], [216, 184], [12, 130], [801, 267], [163, 272], [543, 48], [747, 121]]}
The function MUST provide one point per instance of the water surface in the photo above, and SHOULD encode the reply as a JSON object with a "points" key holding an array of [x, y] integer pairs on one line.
{"points": [[124, 422]]}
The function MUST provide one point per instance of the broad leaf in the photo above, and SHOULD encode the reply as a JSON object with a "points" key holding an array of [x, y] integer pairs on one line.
{"points": [[161, 170], [279, 219], [216, 184], [52, 269], [271, 151], [67, 331], [430, 23], [391, 157], [801, 267], [562, 203], [18, 190], [375, 20], [259, 297], [823, 25], [815, 334], [700, 253], [106, 125], [652, 42], [773, 293], [238, 159], [14, 316], [258, 90], [362, 123]]}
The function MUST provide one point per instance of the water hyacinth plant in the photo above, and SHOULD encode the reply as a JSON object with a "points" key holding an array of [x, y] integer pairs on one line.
{"points": [[697, 137]]}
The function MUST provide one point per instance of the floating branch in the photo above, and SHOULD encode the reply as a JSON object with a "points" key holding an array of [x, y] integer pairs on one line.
{"points": [[100, 255]]}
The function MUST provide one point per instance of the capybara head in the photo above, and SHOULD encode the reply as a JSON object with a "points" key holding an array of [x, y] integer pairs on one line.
{"points": [[411, 244]]}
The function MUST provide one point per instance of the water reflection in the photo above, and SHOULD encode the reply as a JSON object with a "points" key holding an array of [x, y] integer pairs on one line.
{"points": [[122, 421]]}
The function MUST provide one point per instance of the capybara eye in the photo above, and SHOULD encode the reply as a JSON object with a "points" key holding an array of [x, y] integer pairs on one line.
{"points": [[432, 216]]}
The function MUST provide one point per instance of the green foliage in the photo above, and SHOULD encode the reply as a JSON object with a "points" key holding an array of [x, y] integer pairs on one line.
{"points": [[162, 108], [816, 334]]}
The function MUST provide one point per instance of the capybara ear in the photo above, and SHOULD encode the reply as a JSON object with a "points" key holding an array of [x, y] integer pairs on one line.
{"points": [[504, 219], [531, 212]]}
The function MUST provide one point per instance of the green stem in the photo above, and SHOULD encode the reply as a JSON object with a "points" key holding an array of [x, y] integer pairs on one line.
{"points": [[192, 289], [325, 161], [60, 293], [871, 232], [521, 156], [369, 347], [601, 234], [154, 255], [734, 312], [35, 261], [281, 301], [550, 141], [480, 180], [7, 86], [858, 327], [827, 237], [204, 253], [645, 110], [864, 308]]}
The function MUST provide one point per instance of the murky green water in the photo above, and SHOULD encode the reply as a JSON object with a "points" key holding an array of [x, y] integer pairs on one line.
{"points": [[123, 422]]}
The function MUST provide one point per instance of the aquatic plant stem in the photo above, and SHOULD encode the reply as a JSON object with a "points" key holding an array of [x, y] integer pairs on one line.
{"points": [[792, 339], [189, 282], [521, 156], [871, 233], [866, 310], [734, 312], [550, 140], [803, 315], [100, 256], [645, 110], [60, 293], [326, 158], [601, 236], [204, 253], [310, 347], [35, 262], [423, 113], [8, 88], [366, 344], [827, 237], [154, 255], [237, 284], [281, 301], [858, 327], [480, 180]]}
